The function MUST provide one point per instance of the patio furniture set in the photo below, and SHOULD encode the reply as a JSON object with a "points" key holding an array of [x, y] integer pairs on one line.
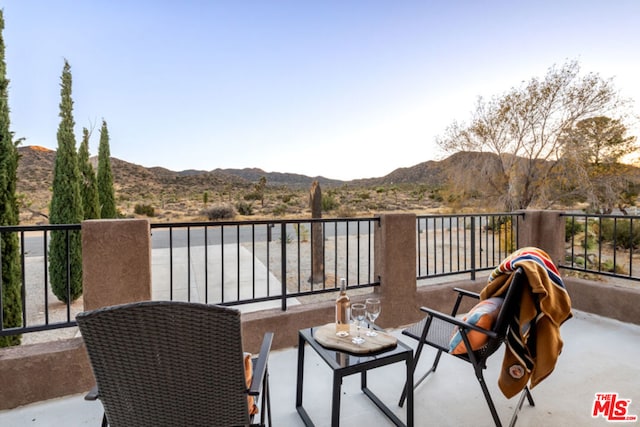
{"points": [[178, 363]]}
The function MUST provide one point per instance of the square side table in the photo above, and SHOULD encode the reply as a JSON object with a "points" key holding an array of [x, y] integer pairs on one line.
{"points": [[344, 364]]}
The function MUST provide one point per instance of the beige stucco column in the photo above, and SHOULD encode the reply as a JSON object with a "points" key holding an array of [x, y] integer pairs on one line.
{"points": [[116, 262], [544, 230], [395, 266]]}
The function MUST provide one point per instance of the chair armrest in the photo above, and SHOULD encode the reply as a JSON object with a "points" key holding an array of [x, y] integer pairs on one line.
{"points": [[467, 293], [461, 294], [458, 322], [93, 394], [261, 365]]}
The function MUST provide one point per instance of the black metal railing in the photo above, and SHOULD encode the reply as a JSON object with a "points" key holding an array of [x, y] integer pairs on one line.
{"points": [[234, 263], [602, 244], [464, 244], [41, 309]]}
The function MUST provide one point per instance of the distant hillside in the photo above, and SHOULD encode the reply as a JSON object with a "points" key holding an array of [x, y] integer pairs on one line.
{"points": [[35, 176], [132, 182], [35, 172], [432, 173], [281, 179], [185, 190]]}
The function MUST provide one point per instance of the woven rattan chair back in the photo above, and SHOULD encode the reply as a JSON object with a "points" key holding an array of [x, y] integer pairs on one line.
{"points": [[167, 364]]}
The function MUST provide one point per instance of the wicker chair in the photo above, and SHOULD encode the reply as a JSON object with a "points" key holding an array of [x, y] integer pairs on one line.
{"points": [[437, 328], [173, 364]]}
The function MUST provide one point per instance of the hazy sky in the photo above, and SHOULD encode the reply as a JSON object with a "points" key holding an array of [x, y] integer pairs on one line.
{"points": [[344, 89]]}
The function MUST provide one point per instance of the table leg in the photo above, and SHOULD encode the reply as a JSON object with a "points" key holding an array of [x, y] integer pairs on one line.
{"points": [[300, 377], [409, 391], [299, 384], [335, 400]]}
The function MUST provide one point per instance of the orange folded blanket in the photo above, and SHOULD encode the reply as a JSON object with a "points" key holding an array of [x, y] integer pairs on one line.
{"points": [[533, 341]]}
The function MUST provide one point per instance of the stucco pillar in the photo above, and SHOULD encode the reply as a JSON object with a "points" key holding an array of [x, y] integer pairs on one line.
{"points": [[116, 262], [544, 230], [395, 266]]}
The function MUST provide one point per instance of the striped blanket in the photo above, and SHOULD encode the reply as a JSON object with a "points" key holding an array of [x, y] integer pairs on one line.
{"points": [[533, 341]]}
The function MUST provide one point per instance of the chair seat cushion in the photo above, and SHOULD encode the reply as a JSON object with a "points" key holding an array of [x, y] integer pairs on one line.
{"points": [[484, 315], [248, 373]]}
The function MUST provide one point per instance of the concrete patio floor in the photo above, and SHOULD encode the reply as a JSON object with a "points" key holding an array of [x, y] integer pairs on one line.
{"points": [[600, 356]]}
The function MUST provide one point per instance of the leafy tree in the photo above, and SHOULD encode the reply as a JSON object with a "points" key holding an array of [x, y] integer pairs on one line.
{"points": [[66, 203], [9, 253], [89, 184], [594, 149], [599, 140], [106, 193], [522, 131]]}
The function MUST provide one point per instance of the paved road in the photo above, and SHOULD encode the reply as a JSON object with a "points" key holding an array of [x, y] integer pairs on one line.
{"points": [[217, 235]]}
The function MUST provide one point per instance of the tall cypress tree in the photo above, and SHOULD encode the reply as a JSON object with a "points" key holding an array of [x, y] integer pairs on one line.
{"points": [[9, 253], [66, 203], [106, 193], [89, 185]]}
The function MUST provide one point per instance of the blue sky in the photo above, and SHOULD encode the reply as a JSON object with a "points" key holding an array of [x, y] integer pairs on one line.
{"points": [[340, 88]]}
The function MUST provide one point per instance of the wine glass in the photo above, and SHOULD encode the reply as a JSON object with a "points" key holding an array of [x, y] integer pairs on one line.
{"points": [[373, 311], [358, 313]]}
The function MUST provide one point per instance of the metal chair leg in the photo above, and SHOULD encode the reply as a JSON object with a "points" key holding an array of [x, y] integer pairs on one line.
{"points": [[487, 397], [424, 377], [525, 393]]}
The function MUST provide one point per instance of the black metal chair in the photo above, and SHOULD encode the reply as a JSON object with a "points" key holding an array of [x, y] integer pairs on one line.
{"points": [[437, 328], [173, 364]]}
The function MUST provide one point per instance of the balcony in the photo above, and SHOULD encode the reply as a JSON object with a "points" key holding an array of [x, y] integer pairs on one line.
{"points": [[600, 355], [596, 358]]}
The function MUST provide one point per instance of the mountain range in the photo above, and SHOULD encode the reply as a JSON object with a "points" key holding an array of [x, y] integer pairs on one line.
{"points": [[180, 190], [36, 165]]}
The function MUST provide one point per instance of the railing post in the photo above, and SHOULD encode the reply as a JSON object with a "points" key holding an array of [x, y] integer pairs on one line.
{"points": [[283, 265], [544, 230], [395, 267], [473, 248], [116, 262]]}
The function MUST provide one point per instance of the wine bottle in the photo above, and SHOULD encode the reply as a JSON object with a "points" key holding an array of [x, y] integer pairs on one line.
{"points": [[343, 308]]}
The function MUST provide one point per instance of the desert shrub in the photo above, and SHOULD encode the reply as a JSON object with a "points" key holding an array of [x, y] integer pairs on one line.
{"points": [[572, 228], [621, 232], [220, 211], [345, 212], [609, 267], [286, 198], [329, 202], [147, 210], [495, 223], [244, 208], [577, 260], [254, 195], [507, 238], [279, 210], [302, 232]]}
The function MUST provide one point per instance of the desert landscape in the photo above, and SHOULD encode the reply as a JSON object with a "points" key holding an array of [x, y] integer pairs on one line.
{"points": [[186, 195]]}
